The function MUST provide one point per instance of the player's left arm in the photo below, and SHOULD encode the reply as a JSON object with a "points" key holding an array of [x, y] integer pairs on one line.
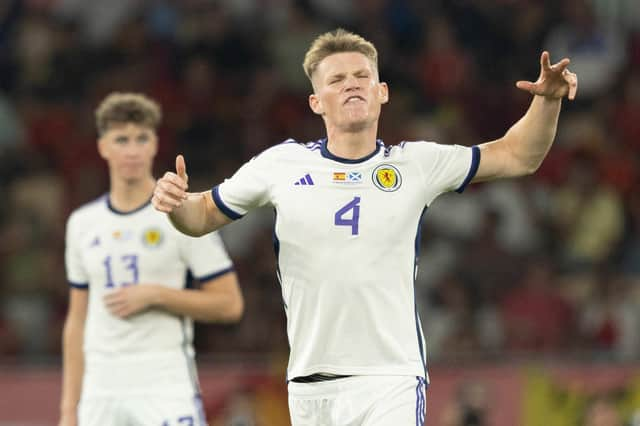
{"points": [[217, 300], [525, 145]]}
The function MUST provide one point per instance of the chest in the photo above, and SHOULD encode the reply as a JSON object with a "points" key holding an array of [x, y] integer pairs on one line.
{"points": [[118, 253], [377, 202]]}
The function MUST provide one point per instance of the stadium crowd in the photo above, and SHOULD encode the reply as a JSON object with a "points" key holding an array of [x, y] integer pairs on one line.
{"points": [[547, 265]]}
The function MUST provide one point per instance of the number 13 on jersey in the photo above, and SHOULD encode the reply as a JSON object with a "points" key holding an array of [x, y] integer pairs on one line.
{"points": [[352, 209], [130, 262]]}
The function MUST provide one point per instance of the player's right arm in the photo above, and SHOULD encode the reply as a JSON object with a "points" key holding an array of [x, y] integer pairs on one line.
{"points": [[194, 214], [73, 358]]}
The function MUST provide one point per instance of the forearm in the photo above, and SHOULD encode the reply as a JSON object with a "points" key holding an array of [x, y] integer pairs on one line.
{"points": [[199, 305], [529, 140], [192, 217], [73, 366]]}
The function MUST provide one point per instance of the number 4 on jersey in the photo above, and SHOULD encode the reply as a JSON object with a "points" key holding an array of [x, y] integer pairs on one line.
{"points": [[354, 207]]}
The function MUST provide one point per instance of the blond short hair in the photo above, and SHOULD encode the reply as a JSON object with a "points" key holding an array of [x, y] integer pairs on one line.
{"points": [[121, 108], [337, 41]]}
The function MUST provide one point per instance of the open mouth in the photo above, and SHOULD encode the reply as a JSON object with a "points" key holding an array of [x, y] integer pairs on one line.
{"points": [[353, 99]]}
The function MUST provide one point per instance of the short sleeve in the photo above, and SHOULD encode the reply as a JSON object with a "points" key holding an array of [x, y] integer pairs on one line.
{"points": [[76, 273], [247, 189], [448, 167], [206, 256]]}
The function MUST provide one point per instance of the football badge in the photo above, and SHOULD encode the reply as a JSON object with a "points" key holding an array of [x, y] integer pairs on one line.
{"points": [[387, 177], [152, 237]]}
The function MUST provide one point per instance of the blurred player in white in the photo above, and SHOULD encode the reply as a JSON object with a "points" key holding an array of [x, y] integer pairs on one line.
{"points": [[128, 354], [348, 210]]}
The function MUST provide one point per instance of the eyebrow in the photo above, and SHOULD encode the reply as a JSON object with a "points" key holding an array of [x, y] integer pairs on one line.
{"points": [[142, 134], [342, 74]]}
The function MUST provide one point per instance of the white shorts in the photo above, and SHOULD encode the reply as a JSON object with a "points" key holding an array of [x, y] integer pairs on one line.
{"points": [[359, 401], [141, 411]]}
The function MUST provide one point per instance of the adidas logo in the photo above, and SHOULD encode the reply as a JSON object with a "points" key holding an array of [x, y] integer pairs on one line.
{"points": [[305, 180]]}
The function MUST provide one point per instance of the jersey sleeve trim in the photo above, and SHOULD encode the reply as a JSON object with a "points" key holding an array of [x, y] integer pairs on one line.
{"points": [[215, 192], [217, 274], [79, 286], [473, 169]]}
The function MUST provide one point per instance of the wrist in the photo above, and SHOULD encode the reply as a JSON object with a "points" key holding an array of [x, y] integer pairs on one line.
{"points": [[158, 295], [68, 409], [551, 98]]}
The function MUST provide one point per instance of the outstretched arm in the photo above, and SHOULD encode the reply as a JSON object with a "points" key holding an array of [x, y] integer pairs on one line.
{"points": [[521, 150], [194, 214]]}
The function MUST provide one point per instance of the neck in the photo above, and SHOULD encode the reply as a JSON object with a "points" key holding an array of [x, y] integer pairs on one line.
{"points": [[127, 195], [352, 145]]}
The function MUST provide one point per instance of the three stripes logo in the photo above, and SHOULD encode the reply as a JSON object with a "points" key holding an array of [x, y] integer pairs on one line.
{"points": [[305, 180]]}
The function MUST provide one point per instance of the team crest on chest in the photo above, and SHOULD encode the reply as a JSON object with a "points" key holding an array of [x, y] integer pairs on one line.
{"points": [[152, 237], [387, 177]]}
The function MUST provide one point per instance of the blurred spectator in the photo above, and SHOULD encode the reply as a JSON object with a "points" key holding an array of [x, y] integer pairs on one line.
{"points": [[624, 14], [443, 69], [11, 127], [518, 230], [627, 115], [98, 20], [455, 328], [535, 316], [602, 412], [597, 53], [287, 49], [611, 321], [337, 12], [9, 341], [240, 410], [31, 237], [470, 408], [630, 253], [588, 216]]}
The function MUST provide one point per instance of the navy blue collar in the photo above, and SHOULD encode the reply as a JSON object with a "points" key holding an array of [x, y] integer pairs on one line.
{"points": [[326, 154], [120, 212]]}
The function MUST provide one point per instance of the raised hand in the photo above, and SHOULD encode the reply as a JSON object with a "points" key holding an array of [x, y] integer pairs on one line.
{"points": [[555, 81], [171, 189]]}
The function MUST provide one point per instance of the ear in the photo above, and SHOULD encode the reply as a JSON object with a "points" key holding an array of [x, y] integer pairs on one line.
{"points": [[315, 104], [383, 93], [154, 141], [102, 148]]}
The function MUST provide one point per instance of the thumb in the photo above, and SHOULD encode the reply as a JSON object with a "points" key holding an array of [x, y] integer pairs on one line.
{"points": [[526, 85], [181, 168]]}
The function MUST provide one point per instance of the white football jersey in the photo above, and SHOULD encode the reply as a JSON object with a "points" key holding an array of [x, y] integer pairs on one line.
{"points": [[106, 250], [346, 239]]}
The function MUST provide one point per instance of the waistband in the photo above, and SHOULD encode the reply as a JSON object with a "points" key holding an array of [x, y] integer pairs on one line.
{"points": [[318, 377]]}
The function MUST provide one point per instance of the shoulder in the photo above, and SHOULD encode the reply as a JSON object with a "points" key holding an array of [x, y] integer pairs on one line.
{"points": [[88, 212], [405, 148], [289, 147], [425, 147]]}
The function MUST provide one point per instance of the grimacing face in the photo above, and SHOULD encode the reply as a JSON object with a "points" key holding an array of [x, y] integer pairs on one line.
{"points": [[129, 150], [347, 93]]}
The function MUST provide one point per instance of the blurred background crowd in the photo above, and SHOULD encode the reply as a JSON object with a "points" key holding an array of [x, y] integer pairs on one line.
{"points": [[543, 266]]}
